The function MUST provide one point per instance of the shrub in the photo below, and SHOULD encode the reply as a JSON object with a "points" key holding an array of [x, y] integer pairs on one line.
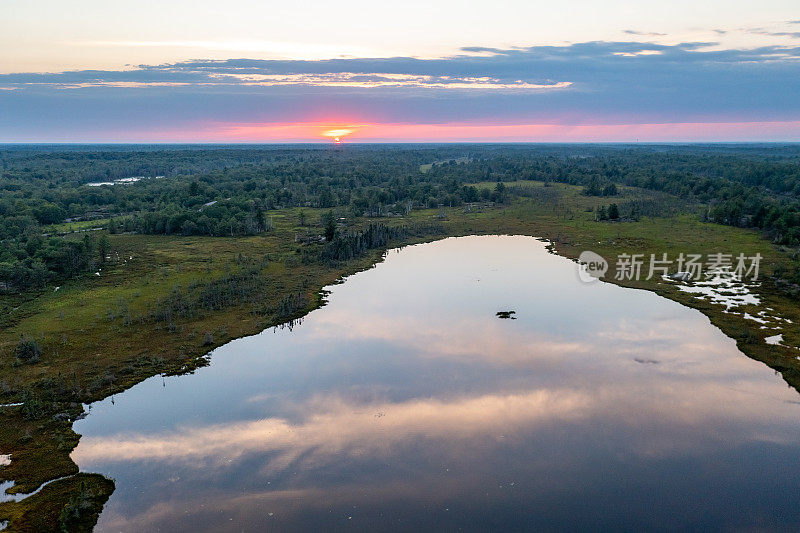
{"points": [[28, 351], [208, 340], [74, 513]]}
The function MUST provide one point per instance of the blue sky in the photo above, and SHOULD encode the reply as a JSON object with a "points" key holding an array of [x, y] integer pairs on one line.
{"points": [[503, 71]]}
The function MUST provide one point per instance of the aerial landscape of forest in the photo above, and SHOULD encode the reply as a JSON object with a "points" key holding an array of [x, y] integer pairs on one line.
{"points": [[526, 268], [206, 244]]}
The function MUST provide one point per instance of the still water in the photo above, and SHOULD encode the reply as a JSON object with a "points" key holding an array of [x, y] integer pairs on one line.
{"points": [[405, 403]]}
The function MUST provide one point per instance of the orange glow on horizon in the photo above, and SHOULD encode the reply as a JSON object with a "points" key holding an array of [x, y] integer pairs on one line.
{"points": [[304, 132], [477, 132]]}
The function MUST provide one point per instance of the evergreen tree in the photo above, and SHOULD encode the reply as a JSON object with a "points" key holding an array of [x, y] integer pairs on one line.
{"points": [[329, 224]]}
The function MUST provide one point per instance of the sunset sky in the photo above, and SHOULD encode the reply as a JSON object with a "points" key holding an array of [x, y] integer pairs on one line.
{"points": [[247, 71]]}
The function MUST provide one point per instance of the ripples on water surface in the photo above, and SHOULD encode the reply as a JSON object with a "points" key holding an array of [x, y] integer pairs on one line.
{"points": [[405, 403]]}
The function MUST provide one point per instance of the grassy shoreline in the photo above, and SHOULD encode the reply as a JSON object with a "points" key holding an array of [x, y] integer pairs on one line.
{"points": [[99, 338]]}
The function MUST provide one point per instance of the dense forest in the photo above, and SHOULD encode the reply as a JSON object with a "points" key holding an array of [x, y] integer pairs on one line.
{"points": [[229, 191]]}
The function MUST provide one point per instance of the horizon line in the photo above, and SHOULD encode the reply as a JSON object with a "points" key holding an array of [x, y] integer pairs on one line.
{"points": [[373, 143]]}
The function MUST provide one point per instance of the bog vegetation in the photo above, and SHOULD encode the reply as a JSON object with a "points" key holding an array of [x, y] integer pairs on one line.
{"points": [[228, 192]]}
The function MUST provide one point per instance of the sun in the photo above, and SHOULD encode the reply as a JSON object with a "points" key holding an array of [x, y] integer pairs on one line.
{"points": [[337, 134]]}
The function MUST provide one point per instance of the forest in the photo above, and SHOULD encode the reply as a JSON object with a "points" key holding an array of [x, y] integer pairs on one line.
{"points": [[215, 191]]}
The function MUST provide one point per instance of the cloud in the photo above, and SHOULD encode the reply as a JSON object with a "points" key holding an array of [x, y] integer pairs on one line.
{"points": [[338, 427], [536, 66], [792, 34], [576, 84], [335, 427], [338, 79], [642, 33]]}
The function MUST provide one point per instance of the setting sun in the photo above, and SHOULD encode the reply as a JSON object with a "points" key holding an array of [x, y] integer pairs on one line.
{"points": [[337, 134]]}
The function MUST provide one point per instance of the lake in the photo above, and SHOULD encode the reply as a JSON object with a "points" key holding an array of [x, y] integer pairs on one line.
{"points": [[406, 403]]}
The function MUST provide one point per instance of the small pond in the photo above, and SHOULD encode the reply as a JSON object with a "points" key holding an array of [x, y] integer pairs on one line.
{"points": [[407, 403]]}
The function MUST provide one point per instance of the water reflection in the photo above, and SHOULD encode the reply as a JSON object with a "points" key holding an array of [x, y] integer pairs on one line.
{"points": [[405, 403]]}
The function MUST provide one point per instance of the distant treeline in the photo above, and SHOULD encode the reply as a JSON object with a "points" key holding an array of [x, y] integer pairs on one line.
{"points": [[752, 188]]}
